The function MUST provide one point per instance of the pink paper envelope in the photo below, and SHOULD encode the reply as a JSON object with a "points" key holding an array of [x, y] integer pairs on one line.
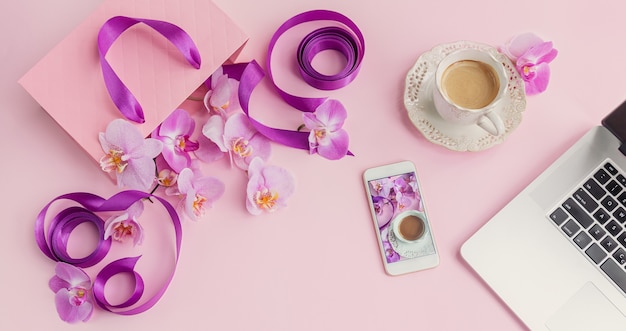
{"points": [[68, 81]]}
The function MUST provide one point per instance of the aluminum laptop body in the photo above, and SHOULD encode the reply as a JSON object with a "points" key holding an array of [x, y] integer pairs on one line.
{"points": [[545, 272]]}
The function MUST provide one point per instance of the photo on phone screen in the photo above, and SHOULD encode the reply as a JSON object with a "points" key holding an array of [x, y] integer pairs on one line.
{"points": [[395, 197]]}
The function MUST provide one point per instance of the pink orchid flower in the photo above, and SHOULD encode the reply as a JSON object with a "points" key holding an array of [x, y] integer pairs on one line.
{"points": [[327, 137], [268, 188], [238, 137], [72, 288], [175, 132], [222, 96], [531, 56], [198, 193], [126, 225], [129, 155]]}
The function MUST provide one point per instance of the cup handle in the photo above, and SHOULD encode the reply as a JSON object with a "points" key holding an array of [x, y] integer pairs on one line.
{"points": [[492, 123]]}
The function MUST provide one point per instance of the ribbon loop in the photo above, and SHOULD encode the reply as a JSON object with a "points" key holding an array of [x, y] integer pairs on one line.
{"points": [[54, 246], [110, 31]]}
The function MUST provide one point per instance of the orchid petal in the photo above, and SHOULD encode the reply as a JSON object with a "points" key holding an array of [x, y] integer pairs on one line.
{"points": [[123, 134], [209, 151], [540, 81], [150, 149], [311, 122], [71, 274], [219, 72], [541, 53], [56, 283], [255, 167], [179, 122], [214, 130], [68, 312], [335, 147], [185, 178], [238, 126], [178, 160], [332, 113], [519, 44], [139, 175], [280, 180], [209, 187], [221, 94]]}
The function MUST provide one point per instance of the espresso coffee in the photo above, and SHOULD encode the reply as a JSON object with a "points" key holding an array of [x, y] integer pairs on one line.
{"points": [[470, 84], [411, 227]]}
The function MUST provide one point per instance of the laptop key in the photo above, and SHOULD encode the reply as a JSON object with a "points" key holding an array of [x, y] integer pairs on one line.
{"points": [[582, 239], [613, 227], [620, 256], [614, 188], [597, 232], [620, 215], [609, 203], [570, 228], [610, 168], [601, 216], [558, 216], [585, 200], [596, 253], [577, 213], [601, 176], [609, 244], [594, 188], [615, 272], [621, 179]]}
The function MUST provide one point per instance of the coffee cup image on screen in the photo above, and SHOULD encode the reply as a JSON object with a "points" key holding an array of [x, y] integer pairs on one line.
{"points": [[400, 217]]}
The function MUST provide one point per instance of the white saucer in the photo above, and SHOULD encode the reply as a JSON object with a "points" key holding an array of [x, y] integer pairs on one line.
{"points": [[422, 247], [419, 104]]}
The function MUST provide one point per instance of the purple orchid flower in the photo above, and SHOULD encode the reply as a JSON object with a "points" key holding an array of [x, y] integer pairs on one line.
{"points": [[531, 56], [327, 137], [222, 96], [198, 193], [268, 188], [129, 155], [175, 132], [73, 293], [237, 136], [126, 225]]}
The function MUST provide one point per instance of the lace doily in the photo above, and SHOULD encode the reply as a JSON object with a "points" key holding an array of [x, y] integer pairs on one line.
{"points": [[419, 104]]}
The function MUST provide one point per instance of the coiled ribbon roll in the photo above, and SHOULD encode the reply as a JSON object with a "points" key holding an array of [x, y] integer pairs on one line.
{"points": [[351, 45]]}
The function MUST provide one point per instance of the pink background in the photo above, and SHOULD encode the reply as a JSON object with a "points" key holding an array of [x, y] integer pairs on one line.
{"points": [[315, 265]]}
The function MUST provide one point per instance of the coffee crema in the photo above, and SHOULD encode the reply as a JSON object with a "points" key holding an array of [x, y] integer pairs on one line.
{"points": [[470, 84], [411, 227]]}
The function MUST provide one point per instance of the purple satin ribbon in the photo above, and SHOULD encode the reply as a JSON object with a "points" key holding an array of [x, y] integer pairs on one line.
{"points": [[349, 43], [110, 31], [54, 245], [250, 74]]}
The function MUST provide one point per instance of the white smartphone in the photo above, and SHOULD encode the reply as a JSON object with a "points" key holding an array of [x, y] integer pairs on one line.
{"points": [[402, 226]]}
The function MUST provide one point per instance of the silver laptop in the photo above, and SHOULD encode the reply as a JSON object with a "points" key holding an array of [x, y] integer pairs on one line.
{"points": [[556, 254]]}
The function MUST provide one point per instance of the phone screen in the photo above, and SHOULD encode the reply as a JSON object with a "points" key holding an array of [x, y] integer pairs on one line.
{"points": [[391, 196]]}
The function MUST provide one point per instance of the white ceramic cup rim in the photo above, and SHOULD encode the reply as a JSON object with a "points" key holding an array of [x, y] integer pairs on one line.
{"points": [[474, 55]]}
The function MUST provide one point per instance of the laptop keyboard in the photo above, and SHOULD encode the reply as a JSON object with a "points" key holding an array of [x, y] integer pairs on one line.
{"points": [[593, 217]]}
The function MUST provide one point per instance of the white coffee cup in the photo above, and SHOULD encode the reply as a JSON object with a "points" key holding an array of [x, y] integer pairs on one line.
{"points": [[409, 226], [470, 86]]}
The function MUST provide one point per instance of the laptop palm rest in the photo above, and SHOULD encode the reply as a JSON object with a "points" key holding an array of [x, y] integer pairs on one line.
{"points": [[587, 310]]}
